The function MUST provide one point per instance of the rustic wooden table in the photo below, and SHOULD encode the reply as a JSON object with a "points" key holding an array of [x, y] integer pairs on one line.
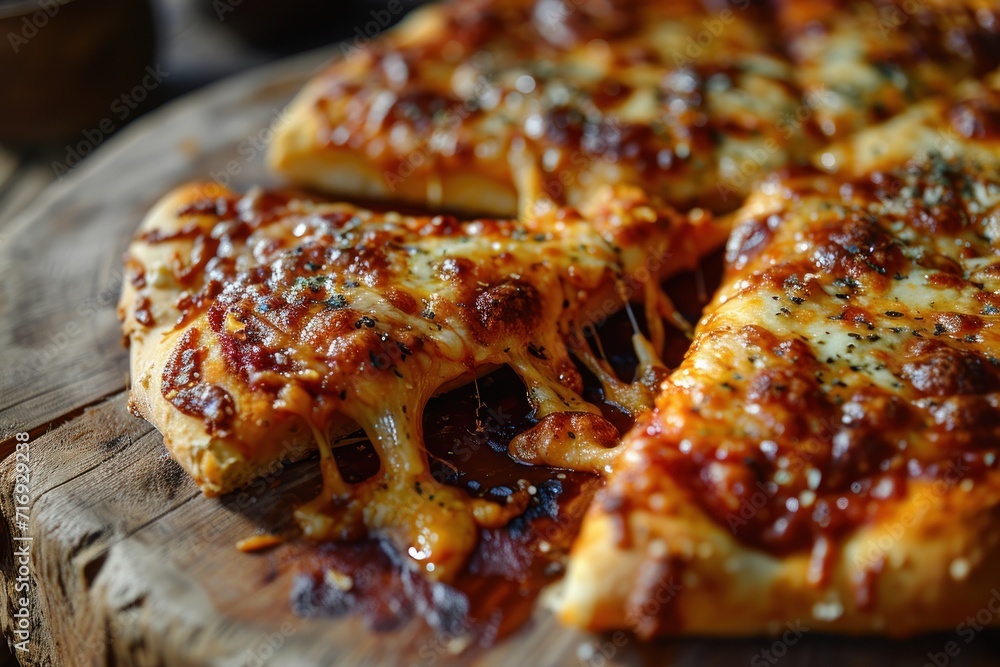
{"points": [[26, 172], [139, 567], [196, 48], [133, 566], [21, 178]]}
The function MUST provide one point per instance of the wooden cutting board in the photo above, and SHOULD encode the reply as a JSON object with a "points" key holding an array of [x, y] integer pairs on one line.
{"points": [[129, 564]]}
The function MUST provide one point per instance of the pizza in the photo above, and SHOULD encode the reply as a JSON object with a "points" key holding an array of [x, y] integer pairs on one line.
{"points": [[827, 450], [499, 106], [858, 63], [266, 326], [491, 106]]}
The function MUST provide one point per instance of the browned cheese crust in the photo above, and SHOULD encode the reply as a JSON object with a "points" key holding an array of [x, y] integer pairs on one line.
{"points": [[499, 106], [859, 63], [488, 105], [827, 451], [265, 326]]}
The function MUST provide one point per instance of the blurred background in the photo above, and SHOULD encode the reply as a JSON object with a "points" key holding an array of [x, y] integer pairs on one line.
{"points": [[75, 72]]}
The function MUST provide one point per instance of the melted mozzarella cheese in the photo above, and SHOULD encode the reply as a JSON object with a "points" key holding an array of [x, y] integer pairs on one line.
{"points": [[344, 318]]}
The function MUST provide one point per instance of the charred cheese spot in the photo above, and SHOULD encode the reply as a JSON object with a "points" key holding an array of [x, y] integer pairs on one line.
{"points": [[506, 311], [857, 248], [748, 238], [936, 369], [845, 355], [860, 62], [184, 386], [343, 318]]}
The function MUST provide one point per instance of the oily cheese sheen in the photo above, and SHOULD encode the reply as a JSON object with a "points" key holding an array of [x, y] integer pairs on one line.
{"points": [[498, 106], [469, 105], [828, 448], [268, 325]]}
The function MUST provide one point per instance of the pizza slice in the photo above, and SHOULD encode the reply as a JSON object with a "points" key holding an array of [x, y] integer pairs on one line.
{"points": [[266, 326], [827, 450], [858, 63], [499, 106]]}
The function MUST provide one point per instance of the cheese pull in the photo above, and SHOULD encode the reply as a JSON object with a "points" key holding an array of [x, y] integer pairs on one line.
{"points": [[301, 321], [575, 440]]}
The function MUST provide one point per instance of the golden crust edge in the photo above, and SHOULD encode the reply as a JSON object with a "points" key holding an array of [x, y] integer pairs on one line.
{"points": [[297, 154], [217, 464], [937, 548]]}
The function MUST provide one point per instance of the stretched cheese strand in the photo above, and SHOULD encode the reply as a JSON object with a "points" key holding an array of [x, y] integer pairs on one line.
{"points": [[545, 395], [405, 502], [341, 318], [434, 302], [654, 321], [435, 524], [526, 169], [631, 397]]}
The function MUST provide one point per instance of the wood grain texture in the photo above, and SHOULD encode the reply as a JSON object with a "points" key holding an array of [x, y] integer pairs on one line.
{"points": [[60, 260], [131, 565], [136, 567]]}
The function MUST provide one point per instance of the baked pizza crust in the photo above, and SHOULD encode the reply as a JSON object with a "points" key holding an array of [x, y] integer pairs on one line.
{"points": [[499, 107], [218, 463], [345, 173], [859, 63], [682, 573], [794, 367], [301, 150]]}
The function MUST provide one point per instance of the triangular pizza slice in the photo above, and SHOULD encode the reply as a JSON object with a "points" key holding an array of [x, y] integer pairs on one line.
{"points": [[497, 106], [827, 450], [265, 326]]}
